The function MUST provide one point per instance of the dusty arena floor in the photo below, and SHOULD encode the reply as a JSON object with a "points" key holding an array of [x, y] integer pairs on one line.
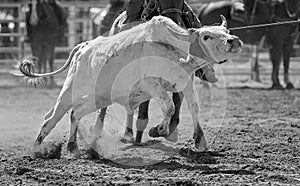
{"points": [[257, 143]]}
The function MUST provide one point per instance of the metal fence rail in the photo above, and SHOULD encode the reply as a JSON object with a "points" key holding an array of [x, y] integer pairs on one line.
{"points": [[22, 49]]}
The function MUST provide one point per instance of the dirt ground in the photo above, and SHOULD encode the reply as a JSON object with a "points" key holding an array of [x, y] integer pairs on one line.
{"points": [[256, 142]]}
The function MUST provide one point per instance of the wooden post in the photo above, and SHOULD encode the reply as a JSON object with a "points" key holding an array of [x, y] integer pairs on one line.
{"points": [[72, 27]]}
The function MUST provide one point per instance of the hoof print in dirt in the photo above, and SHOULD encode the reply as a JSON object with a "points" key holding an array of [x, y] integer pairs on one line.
{"points": [[200, 157], [21, 170], [49, 151]]}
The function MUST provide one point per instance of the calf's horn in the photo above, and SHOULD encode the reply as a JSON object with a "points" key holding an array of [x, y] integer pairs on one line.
{"points": [[224, 21]]}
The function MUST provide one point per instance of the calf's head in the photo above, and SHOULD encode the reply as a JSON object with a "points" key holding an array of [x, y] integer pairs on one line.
{"points": [[213, 43]]}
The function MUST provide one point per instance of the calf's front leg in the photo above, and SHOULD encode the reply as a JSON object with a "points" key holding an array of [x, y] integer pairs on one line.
{"points": [[189, 94]]}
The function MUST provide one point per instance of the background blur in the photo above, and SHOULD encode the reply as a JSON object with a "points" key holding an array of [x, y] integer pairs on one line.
{"points": [[84, 23]]}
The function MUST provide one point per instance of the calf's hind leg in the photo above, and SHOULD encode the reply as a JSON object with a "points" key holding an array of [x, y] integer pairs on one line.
{"points": [[81, 108], [62, 105]]}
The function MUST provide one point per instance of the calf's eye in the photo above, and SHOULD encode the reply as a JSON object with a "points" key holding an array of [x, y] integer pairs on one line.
{"points": [[206, 37]]}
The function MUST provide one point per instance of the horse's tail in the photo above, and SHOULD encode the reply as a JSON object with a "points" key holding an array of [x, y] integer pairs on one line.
{"points": [[117, 24], [26, 66]]}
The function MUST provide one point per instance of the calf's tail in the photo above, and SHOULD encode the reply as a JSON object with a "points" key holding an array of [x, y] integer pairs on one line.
{"points": [[27, 68]]}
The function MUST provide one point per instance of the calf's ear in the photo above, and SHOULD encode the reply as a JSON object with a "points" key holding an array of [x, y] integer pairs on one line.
{"points": [[195, 49], [193, 34]]}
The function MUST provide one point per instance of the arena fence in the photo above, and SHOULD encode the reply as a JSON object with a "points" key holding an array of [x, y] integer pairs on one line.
{"points": [[15, 48]]}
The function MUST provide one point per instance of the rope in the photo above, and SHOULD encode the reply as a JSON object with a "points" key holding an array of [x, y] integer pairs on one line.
{"points": [[264, 25]]}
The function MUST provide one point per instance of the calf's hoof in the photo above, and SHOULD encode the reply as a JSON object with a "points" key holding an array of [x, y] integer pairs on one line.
{"points": [[201, 146], [290, 86], [173, 137], [36, 154], [72, 147], [127, 138], [47, 151], [92, 153], [200, 142]]}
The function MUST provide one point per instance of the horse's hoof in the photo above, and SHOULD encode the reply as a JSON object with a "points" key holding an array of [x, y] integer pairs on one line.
{"points": [[139, 144], [276, 86], [127, 139], [289, 86], [153, 132]]}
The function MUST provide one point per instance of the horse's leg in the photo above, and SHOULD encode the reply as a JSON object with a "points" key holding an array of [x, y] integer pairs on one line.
{"points": [[254, 64], [128, 134], [36, 50], [177, 100], [142, 121], [200, 142], [43, 58], [174, 121], [163, 128], [287, 48], [51, 62], [275, 55]]}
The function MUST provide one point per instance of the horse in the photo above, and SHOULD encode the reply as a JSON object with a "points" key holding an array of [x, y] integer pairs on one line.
{"points": [[45, 21], [282, 44], [259, 12]]}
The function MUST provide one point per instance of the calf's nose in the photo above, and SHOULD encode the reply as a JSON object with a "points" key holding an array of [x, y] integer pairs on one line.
{"points": [[235, 41]]}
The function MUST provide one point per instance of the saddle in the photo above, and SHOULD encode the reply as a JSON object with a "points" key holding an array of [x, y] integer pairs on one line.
{"points": [[152, 8]]}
